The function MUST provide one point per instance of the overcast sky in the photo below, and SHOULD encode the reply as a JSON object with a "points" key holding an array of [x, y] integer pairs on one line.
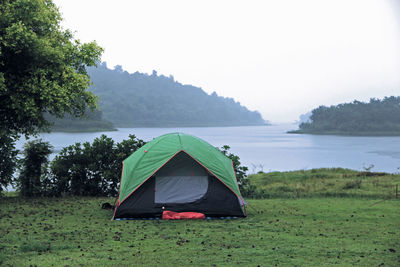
{"points": [[282, 58]]}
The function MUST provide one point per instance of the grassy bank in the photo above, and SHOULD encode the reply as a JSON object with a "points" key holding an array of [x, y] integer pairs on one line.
{"points": [[335, 182]]}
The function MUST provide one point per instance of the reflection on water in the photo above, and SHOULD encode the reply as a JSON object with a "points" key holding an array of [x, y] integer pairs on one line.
{"points": [[269, 147]]}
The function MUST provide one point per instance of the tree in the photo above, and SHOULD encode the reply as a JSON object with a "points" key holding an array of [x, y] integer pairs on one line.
{"points": [[42, 67], [42, 70], [34, 168], [8, 161]]}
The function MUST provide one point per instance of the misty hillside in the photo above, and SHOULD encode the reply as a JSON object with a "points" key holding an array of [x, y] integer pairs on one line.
{"points": [[142, 100], [376, 117]]}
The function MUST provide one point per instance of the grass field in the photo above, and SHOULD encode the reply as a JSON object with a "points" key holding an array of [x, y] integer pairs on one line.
{"points": [[314, 231]]}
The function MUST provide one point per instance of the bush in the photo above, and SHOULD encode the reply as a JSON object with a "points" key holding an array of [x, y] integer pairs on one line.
{"points": [[8, 160], [246, 189], [352, 184], [34, 167], [91, 169]]}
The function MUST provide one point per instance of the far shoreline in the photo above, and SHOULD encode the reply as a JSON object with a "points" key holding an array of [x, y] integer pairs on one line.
{"points": [[158, 126], [349, 134]]}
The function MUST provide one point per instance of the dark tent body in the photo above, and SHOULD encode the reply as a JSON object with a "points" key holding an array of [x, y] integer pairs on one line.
{"points": [[181, 173]]}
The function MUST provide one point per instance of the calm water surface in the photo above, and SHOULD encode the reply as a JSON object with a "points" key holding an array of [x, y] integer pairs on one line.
{"points": [[269, 148]]}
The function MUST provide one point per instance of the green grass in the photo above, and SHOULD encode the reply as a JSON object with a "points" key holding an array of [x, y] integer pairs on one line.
{"points": [[335, 182], [286, 232]]}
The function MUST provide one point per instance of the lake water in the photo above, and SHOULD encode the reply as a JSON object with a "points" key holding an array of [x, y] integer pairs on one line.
{"points": [[270, 148]]}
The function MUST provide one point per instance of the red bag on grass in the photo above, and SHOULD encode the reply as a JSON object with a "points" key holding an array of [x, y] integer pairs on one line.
{"points": [[172, 215]]}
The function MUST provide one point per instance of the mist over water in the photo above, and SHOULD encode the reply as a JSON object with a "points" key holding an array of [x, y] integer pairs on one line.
{"points": [[270, 148]]}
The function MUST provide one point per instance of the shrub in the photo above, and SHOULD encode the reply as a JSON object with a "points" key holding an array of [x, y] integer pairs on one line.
{"points": [[34, 167], [352, 184], [244, 184], [8, 160], [285, 189], [91, 169]]}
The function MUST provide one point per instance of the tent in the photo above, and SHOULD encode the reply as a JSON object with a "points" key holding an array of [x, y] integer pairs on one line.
{"points": [[178, 172]]}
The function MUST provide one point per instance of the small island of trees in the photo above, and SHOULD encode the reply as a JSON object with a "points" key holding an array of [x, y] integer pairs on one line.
{"points": [[374, 118]]}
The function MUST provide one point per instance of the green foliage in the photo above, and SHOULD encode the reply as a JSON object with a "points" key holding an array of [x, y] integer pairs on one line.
{"points": [[378, 117], [42, 68], [245, 188], [155, 100], [42, 71], [8, 161], [32, 180], [75, 231], [91, 169]]}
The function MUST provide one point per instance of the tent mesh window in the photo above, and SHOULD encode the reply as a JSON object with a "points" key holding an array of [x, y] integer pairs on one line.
{"points": [[181, 180]]}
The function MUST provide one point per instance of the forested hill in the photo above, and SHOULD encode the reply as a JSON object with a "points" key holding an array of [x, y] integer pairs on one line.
{"points": [[376, 117], [142, 100]]}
